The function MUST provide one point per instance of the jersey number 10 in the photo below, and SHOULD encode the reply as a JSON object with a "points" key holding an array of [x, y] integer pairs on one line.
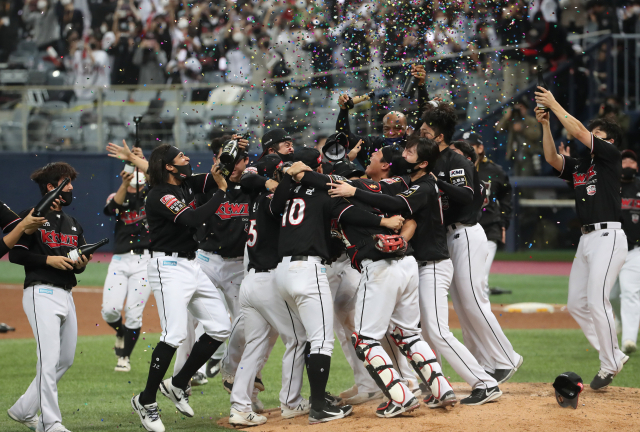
{"points": [[295, 213]]}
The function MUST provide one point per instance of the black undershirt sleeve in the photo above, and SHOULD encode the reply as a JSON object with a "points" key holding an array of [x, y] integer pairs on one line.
{"points": [[360, 217], [195, 218], [281, 195], [253, 181], [23, 256], [386, 203], [460, 195], [3, 248]]}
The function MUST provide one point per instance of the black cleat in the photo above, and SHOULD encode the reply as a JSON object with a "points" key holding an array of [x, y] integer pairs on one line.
{"points": [[332, 400], [498, 291], [329, 413], [391, 409], [502, 375], [257, 383], [227, 385], [601, 380], [482, 396], [213, 367]]}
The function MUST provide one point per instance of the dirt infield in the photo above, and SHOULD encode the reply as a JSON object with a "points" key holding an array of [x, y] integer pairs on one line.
{"points": [[88, 303], [523, 407]]}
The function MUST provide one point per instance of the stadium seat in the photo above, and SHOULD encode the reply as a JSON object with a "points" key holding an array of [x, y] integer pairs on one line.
{"points": [[116, 95]]}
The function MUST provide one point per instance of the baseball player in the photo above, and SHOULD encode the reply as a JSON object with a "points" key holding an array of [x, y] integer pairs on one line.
{"points": [[603, 245], [265, 312], [14, 226], [47, 301], [177, 281], [496, 210], [127, 273], [301, 274], [467, 245], [278, 141], [628, 283], [435, 270]]}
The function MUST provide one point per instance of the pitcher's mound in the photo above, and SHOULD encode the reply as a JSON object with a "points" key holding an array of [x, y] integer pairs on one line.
{"points": [[522, 407]]}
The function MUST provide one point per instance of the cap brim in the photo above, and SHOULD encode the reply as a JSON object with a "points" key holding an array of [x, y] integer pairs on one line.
{"points": [[566, 402]]}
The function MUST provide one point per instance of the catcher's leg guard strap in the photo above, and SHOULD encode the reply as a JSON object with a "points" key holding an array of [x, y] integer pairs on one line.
{"points": [[379, 366]]}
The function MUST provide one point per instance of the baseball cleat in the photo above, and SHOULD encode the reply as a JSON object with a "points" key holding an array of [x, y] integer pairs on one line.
{"points": [[198, 379], [392, 409], [481, 396], [213, 368], [179, 397], [237, 418], [303, 408], [256, 404], [332, 400], [502, 375], [601, 380], [447, 399], [31, 424], [629, 347], [417, 392], [149, 415], [124, 365], [119, 345], [58, 427], [257, 383], [329, 413], [350, 392], [361, 398], [227, 384]]}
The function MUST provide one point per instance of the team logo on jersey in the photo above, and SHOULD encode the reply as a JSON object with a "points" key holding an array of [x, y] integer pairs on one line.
{"points": [[580, 179], [630, 203], [228, 210], [591, 190], [409, 191], [56, 240], [456, 172], [371, 185], [132, 216], [173, 203], [635, 218], [391, 180]]}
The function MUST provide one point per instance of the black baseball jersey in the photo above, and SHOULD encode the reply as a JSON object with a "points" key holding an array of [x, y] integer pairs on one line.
{"points": [[264, 227], [8, 221], [455, 169], [596, 182], [132, 230], [631, 212], [57, 237], [225, 233], [429, 242], [165, 203], [496, 210]]}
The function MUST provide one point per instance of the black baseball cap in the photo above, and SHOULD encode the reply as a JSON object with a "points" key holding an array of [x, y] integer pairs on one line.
{"points": [[568, 387], [309, 156], [629, 154], [267, 165], [398, 166], [273, 138], [472, 138], [335, 148], [346, 169]]}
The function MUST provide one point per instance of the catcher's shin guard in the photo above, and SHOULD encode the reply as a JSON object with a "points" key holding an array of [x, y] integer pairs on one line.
{"points": [[423, 361], [379, 366]]}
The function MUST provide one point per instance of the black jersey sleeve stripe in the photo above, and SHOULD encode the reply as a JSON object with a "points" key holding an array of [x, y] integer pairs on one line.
{"points": [[204, 184], [181, 211], [22, 246], [408, 205], [563, 161], [10, 223], [340, 215]]}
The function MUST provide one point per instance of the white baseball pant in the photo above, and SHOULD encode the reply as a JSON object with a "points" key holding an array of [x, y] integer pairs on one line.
{"points": [[630, 295], [435, 279], [227, 274], [52, 316], [492, 247], [265, 316], [126, 279], [481, 331], [304, 286], [180, 286], [598, 261]]}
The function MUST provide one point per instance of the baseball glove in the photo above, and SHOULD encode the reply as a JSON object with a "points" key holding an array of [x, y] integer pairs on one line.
{"points": [[390, 244]]}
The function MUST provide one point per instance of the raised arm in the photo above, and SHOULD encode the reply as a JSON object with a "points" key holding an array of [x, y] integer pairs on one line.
{"points": [[570, 123], [550, 153]]}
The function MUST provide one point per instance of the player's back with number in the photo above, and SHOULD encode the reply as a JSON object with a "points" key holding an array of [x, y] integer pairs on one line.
{"points": [[262, 241]]}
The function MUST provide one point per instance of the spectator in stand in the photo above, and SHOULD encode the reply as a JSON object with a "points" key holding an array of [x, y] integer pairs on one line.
{"points": [[321, 50], [262, 64], [160, 25], [573, 17], [151, 60], [8, 35], [126, 32], [523, 139], [69, 18], [512, 28], [602, 16], [41, 16], [90, 68]]}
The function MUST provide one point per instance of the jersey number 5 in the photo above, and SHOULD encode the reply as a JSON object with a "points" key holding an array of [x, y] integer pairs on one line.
{"points": [[253, 234], [294, 210]]}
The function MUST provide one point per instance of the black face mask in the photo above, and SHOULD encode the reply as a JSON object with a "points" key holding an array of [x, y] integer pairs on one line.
{"points": [[184, 171], [628, 174], [66, 198], [288, 157]]}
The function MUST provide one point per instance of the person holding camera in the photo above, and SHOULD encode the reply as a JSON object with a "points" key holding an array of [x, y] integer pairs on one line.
{"points": [[523, 139], [151, 60]]}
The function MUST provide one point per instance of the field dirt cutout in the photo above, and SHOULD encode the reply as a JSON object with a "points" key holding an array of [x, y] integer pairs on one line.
{"points": [[522, 407]]}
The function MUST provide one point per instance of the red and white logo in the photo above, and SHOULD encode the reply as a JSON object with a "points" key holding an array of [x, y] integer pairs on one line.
{"points": [[228, 210], [56, 240], [132, 216], [635, 218], [582, 179], [591, 190]]}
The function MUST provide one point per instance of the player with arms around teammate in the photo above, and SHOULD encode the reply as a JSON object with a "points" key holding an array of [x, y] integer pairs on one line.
{"points": [[47, 301], [127, 274], [467, 243], [177, 281], [301, 274], [603, 245]]}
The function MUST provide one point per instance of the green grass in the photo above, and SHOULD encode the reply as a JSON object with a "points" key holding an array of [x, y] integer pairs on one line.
{"points": [[526, 288], [94, 398], [537, 255]]}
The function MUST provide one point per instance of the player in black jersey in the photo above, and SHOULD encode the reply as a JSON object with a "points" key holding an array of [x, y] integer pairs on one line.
{"points": [[603, 245], [127, 274], [177, 281], [496, 211], [14, 226], [278, 141], [467, 242], [625, 295], [48, 303], [301, 275]]}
